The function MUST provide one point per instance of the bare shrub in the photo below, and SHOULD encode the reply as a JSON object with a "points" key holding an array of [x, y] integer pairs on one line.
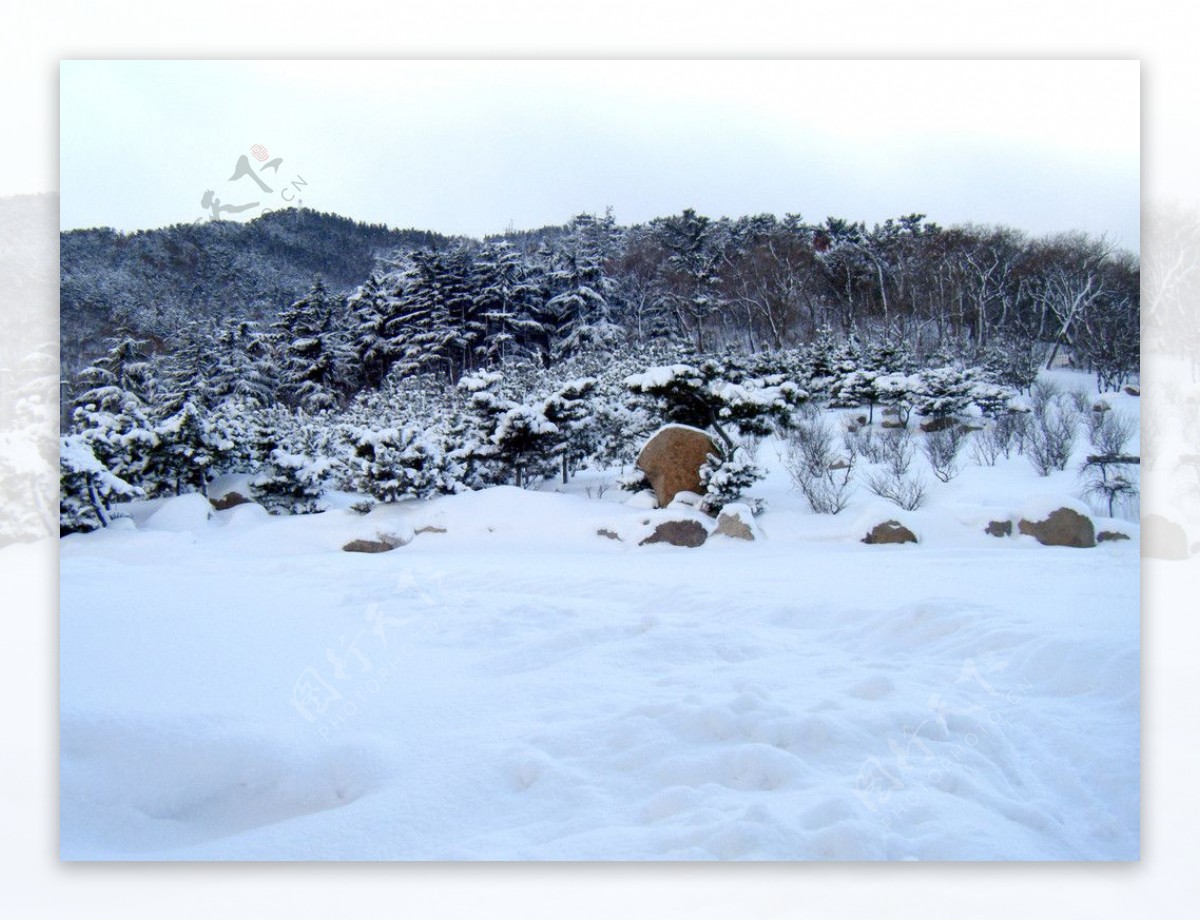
{"points": [[1078, 400], [986, 447], [864, 442], [1110, 483], [894, 482], [1050, 438], [1110, 432], [942, 450], [824, 478], [1042, 395], [908, 492]]}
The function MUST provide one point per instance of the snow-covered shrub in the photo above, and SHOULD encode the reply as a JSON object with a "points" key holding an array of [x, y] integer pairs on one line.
{"points": [[810, 463], [993, 400], [87, 488], [184, 452], [633, 481], [942, 450], [291, 483], [1015, 362], [718, 396], [725, 478], [1010, 431], [898, 392], [401, 463], [943, 392]]}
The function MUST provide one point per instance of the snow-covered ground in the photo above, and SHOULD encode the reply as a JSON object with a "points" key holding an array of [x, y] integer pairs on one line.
{"points": [[510, 685]]}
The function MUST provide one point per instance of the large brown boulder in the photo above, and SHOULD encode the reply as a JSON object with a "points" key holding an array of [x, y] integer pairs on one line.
{"points": [[1163, 539], [672, 460], [890, 532], [1063, 527], [687, 533]]}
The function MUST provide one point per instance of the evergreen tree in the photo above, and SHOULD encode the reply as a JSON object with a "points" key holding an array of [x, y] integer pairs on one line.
{"points": [[87, 488], [309, 353], [243, 367]]}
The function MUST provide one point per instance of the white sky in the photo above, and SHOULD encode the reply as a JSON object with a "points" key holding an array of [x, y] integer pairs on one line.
{"points": [[470, 147]]}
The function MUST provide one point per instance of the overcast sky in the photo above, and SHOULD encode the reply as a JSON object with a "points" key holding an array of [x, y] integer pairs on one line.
{"points": [[474, 147]]}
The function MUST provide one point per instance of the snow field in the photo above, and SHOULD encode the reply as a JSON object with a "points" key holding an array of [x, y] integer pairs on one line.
{"points": [[517, 687]]}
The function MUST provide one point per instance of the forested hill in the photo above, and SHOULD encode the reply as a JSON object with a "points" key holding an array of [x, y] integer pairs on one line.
{"points": [[152, 282]]}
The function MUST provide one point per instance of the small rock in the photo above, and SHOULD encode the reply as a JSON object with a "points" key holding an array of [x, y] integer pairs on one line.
{"points": [[430, 529], [229, 500], [678, 533], [840, 464], [1163, 539], [737, 521], [891, 424], [1101, 406], [1110, 535], [890, 532], [999, 528], [611, 535], [1133, 391], [1063, 527], [368, 546], [938, 424]]}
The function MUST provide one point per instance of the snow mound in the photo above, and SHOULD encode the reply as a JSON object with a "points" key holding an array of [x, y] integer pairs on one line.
{"points": [[189, 512]]}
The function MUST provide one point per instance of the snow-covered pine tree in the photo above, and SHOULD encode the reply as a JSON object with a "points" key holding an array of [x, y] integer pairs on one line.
{"points": [[718, 395], [87, 488], [571, 410], [244, 368], [369, 308], [112, 413], [308, 351], [508, 292], [403, 462], [187, 370], [185, 453], [858, 388], [576, 313], [516, 437], [944, 392], [691, 281]]}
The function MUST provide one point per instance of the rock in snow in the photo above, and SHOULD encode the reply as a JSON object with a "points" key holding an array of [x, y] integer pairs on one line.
{"points": [[1063, 527], [686, 533], [890, 532], [737, 521], [672, 459], [999, 528]]}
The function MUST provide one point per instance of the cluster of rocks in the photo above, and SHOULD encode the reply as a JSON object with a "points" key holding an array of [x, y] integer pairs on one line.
{"points": [[735, 521]]}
